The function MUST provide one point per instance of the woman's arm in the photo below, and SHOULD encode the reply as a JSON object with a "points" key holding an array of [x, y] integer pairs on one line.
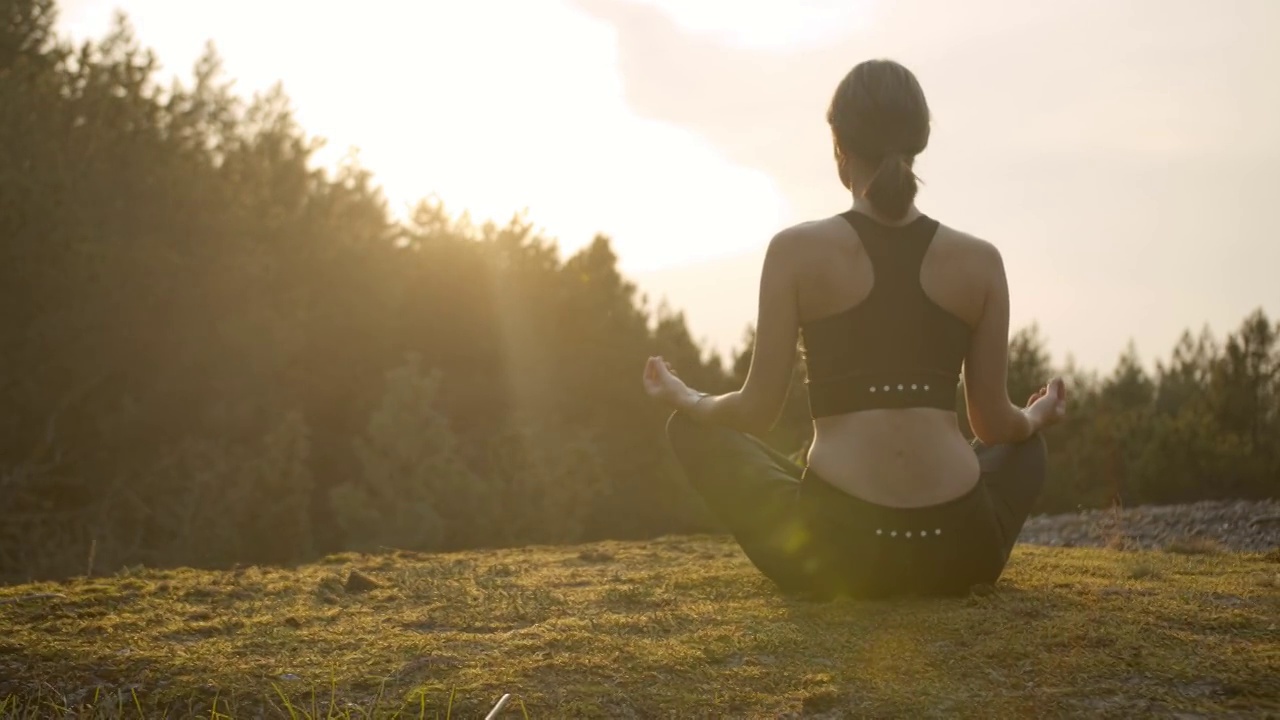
{"points": [[993, 417], [756, 407]]}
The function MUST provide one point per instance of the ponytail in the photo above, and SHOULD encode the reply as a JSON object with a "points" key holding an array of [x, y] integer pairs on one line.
{"points": [[893, 188]]}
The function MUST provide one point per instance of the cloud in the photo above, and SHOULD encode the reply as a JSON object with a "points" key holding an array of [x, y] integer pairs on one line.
{"points": [[1098, 144]]}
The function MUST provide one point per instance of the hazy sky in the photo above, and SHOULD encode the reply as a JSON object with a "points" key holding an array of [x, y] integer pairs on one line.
{"points": [[1122, 153]]}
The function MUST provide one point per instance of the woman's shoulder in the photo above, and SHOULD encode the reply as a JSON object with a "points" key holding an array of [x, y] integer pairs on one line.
{"points": [[958, 244], [796, 233], [964, 239], [814, 239], [807, 235], [801, 240]]}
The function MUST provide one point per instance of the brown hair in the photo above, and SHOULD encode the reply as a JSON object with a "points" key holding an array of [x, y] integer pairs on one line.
{"points": [[879, 115]]}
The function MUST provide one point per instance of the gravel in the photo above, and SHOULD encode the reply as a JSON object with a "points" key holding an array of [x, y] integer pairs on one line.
{"points": [[1234, 525]]}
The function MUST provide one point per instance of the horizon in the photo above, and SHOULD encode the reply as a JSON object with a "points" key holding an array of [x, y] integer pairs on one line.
{"points": [[1158, 135]]}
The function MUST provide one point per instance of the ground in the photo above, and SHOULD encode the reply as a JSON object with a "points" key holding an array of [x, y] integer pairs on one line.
{"points": [[676, 627]]}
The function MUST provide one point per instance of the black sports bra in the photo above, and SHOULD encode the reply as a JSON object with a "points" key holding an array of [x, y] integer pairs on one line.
{"points": [[895, 349]]}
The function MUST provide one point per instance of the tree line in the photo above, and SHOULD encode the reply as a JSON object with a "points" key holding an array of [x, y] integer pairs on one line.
{"points": [[212, 352]]}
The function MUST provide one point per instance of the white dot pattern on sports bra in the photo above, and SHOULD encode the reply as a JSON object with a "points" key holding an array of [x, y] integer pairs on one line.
{"points": [[888, 388]]}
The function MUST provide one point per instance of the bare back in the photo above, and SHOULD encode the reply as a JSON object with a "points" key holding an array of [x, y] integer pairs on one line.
{"points": [[906, 457]]}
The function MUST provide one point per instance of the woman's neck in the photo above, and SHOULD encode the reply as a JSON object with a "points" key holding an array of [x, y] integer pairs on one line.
{"points": [[864, 206]]}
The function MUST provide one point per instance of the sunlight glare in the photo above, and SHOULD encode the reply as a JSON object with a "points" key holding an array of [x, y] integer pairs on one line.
{"points": [[495, 107]]}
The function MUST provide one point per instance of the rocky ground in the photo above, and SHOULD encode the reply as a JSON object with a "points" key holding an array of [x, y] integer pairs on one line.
{"points": [[1198, 527]]}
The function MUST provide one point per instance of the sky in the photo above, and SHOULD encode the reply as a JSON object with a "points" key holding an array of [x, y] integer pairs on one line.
{"points": [[1120, 153]]}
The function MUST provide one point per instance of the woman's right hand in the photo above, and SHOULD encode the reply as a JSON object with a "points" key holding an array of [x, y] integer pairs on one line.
{"points": [[1048, 405], [662, 384]]}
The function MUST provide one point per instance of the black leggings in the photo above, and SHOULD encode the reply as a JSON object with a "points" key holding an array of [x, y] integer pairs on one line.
{"points": [[814, 539]]}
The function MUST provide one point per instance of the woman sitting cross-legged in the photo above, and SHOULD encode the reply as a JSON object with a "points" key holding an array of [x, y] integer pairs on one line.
{"points": [[891, 306]]}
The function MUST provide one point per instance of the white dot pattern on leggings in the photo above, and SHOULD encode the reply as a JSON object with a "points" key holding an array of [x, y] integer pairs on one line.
{"points": [[909, 533]]}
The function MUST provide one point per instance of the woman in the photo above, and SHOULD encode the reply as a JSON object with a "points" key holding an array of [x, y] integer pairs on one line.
{"points": [[890, 305]]}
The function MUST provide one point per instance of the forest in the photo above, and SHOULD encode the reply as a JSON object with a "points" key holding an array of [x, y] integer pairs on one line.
{"points": [[213, 352]]}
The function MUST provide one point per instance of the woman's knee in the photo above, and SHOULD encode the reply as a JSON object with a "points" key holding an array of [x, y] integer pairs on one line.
{"points": [[679, 427], [1034, 447], [1023, 457], [1029, 459], [686, 435], [701, 446]]}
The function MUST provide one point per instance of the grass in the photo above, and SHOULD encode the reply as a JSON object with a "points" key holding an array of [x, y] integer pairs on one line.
{"points": [[1196, 546], [677, 627]]}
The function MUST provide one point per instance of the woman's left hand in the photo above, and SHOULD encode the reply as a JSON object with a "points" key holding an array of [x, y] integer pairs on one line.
{"points": [[661, 384]]}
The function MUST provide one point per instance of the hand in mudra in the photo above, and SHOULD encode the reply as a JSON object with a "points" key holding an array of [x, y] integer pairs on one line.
{"points": [[1048, 405], [662, 384]]}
